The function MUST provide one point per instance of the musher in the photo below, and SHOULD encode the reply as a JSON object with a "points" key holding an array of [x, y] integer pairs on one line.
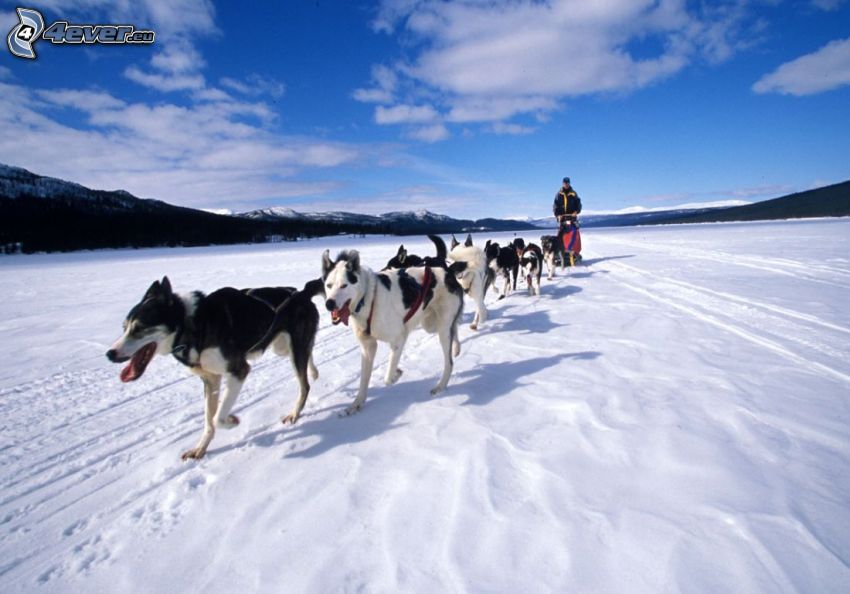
{"points": [[566, 208]]}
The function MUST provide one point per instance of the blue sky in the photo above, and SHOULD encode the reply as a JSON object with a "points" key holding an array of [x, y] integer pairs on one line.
{"points": [[470, 108]]}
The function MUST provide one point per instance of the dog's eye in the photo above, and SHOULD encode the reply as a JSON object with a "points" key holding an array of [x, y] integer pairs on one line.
{"points": [[330, 285], [343, 286]]}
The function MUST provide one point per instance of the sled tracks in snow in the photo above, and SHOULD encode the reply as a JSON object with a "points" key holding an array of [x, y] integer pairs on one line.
{"points": [[806, 340]]}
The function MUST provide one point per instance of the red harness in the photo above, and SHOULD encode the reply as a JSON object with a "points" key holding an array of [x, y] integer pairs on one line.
{"points": [[426, 283]]}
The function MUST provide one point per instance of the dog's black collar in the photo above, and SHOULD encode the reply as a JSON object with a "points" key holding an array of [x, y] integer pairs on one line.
{"points": [[371, 311], [181, 349], [360, 305]]}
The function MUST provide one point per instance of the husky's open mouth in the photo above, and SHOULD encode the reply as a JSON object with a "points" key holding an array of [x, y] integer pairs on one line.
{"points": [[341, 314], [138, 363]]}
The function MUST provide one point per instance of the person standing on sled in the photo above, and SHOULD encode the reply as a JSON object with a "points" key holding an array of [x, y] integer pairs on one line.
{"points": [[566, 208]]}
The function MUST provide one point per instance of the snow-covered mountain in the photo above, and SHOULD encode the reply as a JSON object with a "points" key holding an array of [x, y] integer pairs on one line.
{"points": [[48, 214], [405, 218], [17, 183]]}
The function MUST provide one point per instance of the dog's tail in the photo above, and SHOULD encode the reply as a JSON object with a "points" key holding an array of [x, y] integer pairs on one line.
{"points": [[489, 279], [313, 288], [283, 313], [442, 251]]}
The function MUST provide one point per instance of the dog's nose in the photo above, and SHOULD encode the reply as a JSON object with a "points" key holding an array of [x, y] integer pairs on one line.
{"points": [[330, 304], [112, 354]]}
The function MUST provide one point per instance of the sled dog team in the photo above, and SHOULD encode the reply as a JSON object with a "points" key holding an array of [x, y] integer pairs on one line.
{"points": [[215, 335]]}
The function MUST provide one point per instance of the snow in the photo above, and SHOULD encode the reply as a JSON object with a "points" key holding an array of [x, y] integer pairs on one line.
{"points": [[671, 417]]}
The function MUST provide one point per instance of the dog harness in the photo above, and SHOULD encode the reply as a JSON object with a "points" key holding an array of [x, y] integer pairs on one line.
{"points": [[426, 282], [181, 350], [371, 309]]}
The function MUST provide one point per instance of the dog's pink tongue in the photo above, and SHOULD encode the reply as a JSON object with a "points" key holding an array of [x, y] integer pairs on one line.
{"points": [[342, 314], [138, 363]]}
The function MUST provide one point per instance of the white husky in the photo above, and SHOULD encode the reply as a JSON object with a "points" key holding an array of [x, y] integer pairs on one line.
{"points": [[387, 306], [469, 265]]}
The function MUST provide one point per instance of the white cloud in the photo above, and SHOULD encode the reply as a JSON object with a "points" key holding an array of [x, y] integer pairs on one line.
{"points": [[827, 5], [177, 58], [434, 133], [207, 154], [165, 82], [174, 19], [487, 61], [489, 109], [5, 73], [511, 129], [82, 100], [824, 70], [385, 82], [255, 85], [405, 114]]}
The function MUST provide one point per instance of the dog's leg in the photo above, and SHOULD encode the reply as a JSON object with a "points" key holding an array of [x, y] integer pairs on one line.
{"points": [[515, 271], [480, 309], [507, 286], [393, 371], [455, 324], [368, 347], [314, 372], [446, 341], [300, 364], [212, 384], [232, 386]]}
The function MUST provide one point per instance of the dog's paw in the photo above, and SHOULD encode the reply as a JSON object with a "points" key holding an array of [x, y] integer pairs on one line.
{"points": [[473, 326], [436, 390], [350, 410], [229, 423], [193, 454], [501, 297], [290, 418], [391, 379]]}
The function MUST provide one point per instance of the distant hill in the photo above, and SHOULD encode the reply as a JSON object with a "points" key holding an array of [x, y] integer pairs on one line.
{"points": [[639, 216], [829, 201], [398, 223], [44, 214]]}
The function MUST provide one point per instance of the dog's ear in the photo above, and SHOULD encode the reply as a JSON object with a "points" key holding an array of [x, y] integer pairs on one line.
{"points": [[327, 265], [166, 286], [487, 245], [153, 291], [455, 242], [468, 242], [353, 261], [401, 251]]}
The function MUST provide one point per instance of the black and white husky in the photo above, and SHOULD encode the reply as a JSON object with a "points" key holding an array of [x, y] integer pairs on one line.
{"points": [[214, 336], [531, 267], [469, 265], [553, 253], [504, 262], [388, 306]]}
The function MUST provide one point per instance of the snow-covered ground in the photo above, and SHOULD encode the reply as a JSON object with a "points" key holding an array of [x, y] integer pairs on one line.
{"points": [[672, 417]]}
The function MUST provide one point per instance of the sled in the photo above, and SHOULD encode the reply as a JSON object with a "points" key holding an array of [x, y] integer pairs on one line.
{"points": [[571, 236]]}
